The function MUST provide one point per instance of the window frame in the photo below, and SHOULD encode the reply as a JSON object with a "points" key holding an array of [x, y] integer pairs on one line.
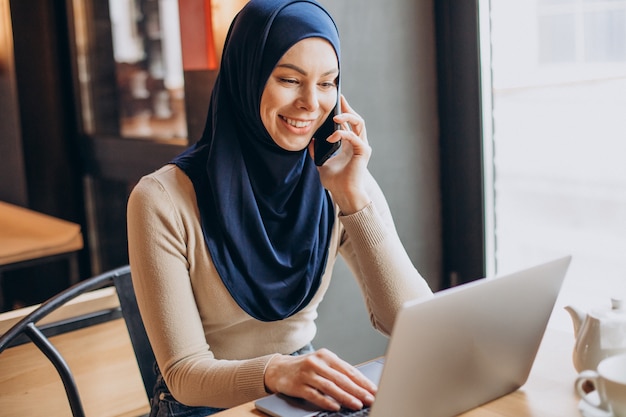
{"points": [[464, 169]]}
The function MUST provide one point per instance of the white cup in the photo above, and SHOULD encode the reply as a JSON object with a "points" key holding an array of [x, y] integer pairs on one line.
{"points": [[610, 383]]}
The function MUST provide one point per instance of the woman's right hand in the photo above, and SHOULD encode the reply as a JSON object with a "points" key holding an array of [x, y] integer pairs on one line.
{"points": [[321, 378], [344, 175]]}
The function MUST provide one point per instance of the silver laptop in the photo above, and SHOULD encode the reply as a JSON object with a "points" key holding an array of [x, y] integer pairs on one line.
{"points": [[465, 347]]}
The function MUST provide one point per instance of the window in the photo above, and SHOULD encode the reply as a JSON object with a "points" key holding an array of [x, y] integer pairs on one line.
{"points": [[149, 69], [577, 31], [554, 89]]}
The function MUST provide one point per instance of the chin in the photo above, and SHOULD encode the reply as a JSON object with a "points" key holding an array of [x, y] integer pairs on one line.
{"points": [[294, 146]]}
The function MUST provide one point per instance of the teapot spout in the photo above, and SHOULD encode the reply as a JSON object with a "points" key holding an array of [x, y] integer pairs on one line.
{"points": [[578, 316]]}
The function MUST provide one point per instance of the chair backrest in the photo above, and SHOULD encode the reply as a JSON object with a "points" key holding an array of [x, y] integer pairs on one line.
{"points": [[136, 330], [28, 328]]}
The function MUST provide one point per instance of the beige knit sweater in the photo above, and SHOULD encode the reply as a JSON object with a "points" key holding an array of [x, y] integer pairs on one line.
{"points": [[212, 353]]}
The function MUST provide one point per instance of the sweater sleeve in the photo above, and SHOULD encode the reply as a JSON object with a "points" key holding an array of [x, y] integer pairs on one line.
{"points": [[160, 272], [373, 251]]}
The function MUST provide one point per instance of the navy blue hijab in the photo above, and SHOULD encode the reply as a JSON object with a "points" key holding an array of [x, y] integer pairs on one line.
{"points": [[265, 216]]}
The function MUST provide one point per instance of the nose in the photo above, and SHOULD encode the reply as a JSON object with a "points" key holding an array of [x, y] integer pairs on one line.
{"points": [[308, 98]]}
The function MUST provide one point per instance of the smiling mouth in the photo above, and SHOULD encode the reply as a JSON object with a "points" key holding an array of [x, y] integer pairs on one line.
{"points": [[296, 123]]}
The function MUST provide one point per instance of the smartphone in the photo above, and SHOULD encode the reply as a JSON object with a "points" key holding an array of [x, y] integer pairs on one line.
{"points": [[324, 149]]}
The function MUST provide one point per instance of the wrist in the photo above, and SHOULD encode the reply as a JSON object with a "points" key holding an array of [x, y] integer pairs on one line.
{"points": [[350, 203], [270, 373]]}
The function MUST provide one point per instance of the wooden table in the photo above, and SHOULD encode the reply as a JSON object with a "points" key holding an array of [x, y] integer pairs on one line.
{"points": [[549, 391], [29, 238]]}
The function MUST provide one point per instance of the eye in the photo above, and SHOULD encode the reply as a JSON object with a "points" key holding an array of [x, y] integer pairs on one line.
{"points": [[291, 81], [329, 83]]}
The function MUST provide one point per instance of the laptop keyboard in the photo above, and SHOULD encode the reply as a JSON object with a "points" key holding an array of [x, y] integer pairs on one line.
{"points": [[345, 413]]}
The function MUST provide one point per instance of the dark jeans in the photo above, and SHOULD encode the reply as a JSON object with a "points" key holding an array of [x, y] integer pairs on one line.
{"points": [[163, 404]]}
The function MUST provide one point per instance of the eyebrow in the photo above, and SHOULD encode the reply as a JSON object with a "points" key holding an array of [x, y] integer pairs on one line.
{"points": [[302, 71]]}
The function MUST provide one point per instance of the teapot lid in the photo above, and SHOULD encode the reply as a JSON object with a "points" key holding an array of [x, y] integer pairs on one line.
{"points": [[617, 304], [617, 311]]}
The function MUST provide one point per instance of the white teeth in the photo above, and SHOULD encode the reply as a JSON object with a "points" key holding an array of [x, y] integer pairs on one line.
{"points": [[296, 123]]}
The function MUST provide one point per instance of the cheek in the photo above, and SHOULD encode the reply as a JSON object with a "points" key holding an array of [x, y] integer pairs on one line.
{"points": [[270, 106], [266, 110], [329, 101], [332, 101]]}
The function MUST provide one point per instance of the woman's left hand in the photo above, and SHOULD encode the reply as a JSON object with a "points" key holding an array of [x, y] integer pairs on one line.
{"points": [[344, 174]]}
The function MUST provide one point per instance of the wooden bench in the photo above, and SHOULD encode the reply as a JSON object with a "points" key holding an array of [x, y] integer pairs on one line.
{"points": [[101, 358]]}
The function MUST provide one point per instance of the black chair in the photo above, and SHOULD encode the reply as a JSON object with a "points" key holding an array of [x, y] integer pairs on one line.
{"points": [[27, 330]]}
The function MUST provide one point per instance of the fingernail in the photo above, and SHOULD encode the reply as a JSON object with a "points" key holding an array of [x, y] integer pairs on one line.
{"points": [[357, 405]]}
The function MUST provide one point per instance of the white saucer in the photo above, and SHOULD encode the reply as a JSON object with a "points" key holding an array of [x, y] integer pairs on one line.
{"points": [[588, 411]]}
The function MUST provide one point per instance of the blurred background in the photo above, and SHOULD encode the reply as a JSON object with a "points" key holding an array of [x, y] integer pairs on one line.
{"points": [[497, 130]]}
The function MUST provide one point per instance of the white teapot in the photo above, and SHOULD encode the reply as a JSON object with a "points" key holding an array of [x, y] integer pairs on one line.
{"points": [[599, 334]]}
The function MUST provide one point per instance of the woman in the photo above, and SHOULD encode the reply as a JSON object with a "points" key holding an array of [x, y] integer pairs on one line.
{"points": [[232, 244]]}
